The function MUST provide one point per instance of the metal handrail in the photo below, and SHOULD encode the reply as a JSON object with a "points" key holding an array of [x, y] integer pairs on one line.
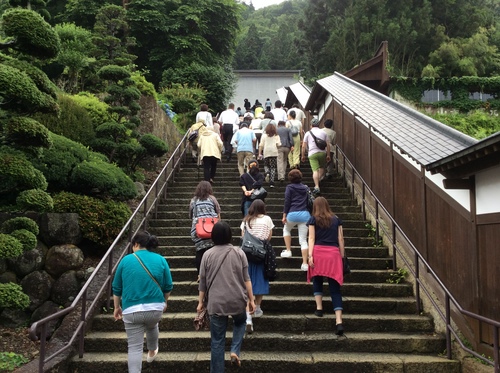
{"points": [[38, 330], [419, 259]]}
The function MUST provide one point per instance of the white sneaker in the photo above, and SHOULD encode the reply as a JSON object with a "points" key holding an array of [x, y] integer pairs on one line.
{"points": [[249, 327], [286, 254], [304, 267], [258, 313]]}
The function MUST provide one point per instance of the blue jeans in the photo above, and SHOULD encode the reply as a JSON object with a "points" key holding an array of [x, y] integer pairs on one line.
{"points": [[334, 291], [218, 327], [246, 206], [135, 325]]}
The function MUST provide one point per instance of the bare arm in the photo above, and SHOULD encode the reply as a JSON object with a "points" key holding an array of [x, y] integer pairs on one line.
{"points": [[341, 241], [311, 239]]}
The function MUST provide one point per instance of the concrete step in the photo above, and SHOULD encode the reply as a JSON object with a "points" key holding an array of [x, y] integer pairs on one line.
{"points": [[290, 304], [265, 341], [235, 213], [276, 362], [299, 323]]}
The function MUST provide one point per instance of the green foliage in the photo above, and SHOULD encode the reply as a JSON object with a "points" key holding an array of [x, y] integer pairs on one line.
{"points": [[154, 146], [477, 124], [96, 109], [20, 222], [100, 222], [12, 296], [184, 99], [17, 173], [398, 276], [73, 122], [27, 238], [113, 72], [24, 131], [146, 88], [20, 94], [377, 242], [83, 12], [10, 361], [32, 35], [35, 200], [101, 178], [10, 247]]}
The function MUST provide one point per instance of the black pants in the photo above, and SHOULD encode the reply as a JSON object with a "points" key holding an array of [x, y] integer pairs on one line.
{"points": [[209, 167], [227, 134]]}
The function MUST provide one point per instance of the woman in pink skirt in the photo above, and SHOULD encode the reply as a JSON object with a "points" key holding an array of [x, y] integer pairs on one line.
{"points": [[326, 250]]}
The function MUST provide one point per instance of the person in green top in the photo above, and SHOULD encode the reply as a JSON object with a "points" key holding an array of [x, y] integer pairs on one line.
{"points": [[141, 287]]}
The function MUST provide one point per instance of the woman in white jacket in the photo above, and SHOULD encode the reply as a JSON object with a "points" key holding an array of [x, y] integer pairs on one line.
{"points": [[210, 149]]}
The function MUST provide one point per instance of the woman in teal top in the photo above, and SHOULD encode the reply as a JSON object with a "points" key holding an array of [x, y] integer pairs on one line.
{"points": [[141, 288]]}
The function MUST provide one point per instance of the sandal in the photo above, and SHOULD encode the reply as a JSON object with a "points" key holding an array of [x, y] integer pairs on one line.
{"points": [[235, 360]]}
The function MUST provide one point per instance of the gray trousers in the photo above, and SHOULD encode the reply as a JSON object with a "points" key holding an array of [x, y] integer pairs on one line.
{"points": [[135, 325]]}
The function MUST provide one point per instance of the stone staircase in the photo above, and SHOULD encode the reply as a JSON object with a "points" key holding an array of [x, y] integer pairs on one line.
{"points": [[383, 331]]}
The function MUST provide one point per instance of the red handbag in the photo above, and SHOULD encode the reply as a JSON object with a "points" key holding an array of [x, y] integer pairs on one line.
{"points": [[204, 227]]}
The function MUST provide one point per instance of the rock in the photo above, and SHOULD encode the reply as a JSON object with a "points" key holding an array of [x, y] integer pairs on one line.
{"points": [[14, 318], [141, 191], [63, 228], [66, 288], [38, 286], [63, 258], [7, 277], [46, 309], [29, 261]]}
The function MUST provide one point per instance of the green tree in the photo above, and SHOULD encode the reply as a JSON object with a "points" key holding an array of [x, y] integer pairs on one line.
{"points": [[83, 12], [248, 52]]}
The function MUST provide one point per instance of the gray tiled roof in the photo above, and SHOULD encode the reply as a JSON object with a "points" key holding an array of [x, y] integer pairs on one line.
{"points": [[422, 138], [301, 92]]}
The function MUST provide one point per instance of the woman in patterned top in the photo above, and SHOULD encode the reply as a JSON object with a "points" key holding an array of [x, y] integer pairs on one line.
{"points": [[261, 226], [202, 205]]}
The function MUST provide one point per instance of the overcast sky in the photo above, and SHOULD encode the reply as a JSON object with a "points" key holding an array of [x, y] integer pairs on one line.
{"points": [[262, 3]]}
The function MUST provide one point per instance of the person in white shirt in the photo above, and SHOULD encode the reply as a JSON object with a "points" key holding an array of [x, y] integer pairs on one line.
{"points": [[229, 120], [299, 114], [317, 157], [278, 112], [205, 115], [332, 135]]}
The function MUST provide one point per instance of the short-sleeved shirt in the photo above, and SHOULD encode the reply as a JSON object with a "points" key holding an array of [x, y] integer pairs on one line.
{"points": [[311, 144], [229, 116], [244, 140], [207, 117], [326, 236], [260, 227]]}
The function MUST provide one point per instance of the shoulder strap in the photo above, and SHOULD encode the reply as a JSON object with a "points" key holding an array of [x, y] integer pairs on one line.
{"points": [[147, 270]]}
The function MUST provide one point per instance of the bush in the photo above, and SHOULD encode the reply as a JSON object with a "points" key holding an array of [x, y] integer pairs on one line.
{"points": [[26, 131], [10, 247], [154, 146], [113, 72], [146, 88], [100, 222], [98, 177], [20, 222], [96, 109], [27, 239], [12, 296], [35, 200], [17, 173], [73, 122], [10, 361]]}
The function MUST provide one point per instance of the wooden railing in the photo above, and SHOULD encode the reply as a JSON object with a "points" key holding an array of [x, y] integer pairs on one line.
{"points": [[370, 203], [98, 288]]}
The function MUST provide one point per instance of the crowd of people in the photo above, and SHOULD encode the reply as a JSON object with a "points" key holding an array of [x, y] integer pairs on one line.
{"points": [[229, 283]]}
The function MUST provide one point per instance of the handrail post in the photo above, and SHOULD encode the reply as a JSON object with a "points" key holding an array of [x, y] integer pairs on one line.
{"points": [[353, 178], [43, 342], [417, 283], [363, 205], [495, 351], [394, 247], [82, 319], [377, 233], [448, 326]]}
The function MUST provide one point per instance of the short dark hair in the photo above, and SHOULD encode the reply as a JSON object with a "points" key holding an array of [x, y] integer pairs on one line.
{"points": [[145, 239], [295, 176], [278, 104], [221, 233], [204, 107], [292, 114], [328, 123]]}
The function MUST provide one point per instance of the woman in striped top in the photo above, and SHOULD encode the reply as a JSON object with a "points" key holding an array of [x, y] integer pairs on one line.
{"points": [[261, 226]]}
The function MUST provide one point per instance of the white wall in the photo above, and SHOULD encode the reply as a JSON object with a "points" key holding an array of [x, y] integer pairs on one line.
{"points": [[488, 191]]}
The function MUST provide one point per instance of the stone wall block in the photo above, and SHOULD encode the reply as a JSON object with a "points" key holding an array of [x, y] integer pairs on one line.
{"points": [[62, 258]]}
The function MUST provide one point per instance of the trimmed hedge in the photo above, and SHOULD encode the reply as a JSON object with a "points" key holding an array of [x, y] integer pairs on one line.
{"points": [[96, 109], [35, 200], [27, 239], [154, 146], [26, 131], [113, 72], [97, 177], [10, 247], [17, 173], [99, 221], [12, 296], [21, 222]]}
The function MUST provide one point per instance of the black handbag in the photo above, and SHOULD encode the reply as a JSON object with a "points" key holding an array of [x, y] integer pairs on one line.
{"points": [[320, 143], [253, 247]]}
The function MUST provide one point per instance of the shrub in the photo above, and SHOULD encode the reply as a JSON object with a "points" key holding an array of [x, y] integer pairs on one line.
{"points": [[10, 247], [100, 222], [98, 177], [27, 239], [154, 146], [26, 131], [73, 122], [20, 222], [113, 72], [12, 296], [10, 361], [17, 173], [96, 109], [146, 88], [35, 200]]}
